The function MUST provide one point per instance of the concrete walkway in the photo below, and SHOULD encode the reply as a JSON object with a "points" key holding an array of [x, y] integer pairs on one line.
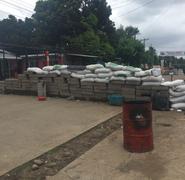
{"points": [[29, 128], [109, 161]]}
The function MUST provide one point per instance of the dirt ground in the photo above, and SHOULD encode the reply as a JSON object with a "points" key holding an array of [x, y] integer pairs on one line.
{"points": [[109, 161], [83, 144], [29, 128]]}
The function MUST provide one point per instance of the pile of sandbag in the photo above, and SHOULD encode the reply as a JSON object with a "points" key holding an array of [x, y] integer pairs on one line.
{"points": [[151, 77], [110, 72], [107, 73], [56, 69], [177, 93], [36, 70]]}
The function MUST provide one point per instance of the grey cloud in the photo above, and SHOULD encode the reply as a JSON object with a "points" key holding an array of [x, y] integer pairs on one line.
{"points": [[161, 21]]}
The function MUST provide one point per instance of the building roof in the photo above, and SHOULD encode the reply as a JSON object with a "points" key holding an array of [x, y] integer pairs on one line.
{"points": [[82, 55], [37, 55], [8, 55]]}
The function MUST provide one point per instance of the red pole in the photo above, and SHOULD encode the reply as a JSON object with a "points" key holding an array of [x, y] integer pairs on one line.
{"points": [[47, 57]]}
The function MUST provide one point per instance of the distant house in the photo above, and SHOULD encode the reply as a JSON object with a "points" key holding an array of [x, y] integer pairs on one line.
{"points": [[9, 64]]}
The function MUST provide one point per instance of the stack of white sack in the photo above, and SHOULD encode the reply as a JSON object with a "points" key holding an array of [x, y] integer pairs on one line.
{"points": [[151, 77], [57, 69], [177, 93], [92, 73], [36, 70]]}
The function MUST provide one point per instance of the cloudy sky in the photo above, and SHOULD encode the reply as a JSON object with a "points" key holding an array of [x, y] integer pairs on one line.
{"points": [[160, 21]]}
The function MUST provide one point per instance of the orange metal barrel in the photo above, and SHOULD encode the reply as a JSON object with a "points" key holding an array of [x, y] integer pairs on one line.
{"points": [[137, 123]]}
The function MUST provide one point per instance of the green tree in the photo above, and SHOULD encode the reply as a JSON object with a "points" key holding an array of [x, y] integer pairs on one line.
{"points": [[151, 57], [16, 31], [128, 48]]}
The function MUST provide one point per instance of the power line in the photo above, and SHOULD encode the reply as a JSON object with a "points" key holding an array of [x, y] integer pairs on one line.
{"points": [[14, 5], [18, 9], [129, 12], [29, 5], [123, 4], [117, 4], [162, 14]]}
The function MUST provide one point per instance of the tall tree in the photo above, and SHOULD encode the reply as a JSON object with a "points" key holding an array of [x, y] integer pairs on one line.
{"points": [[128, 48], [151, 57]]}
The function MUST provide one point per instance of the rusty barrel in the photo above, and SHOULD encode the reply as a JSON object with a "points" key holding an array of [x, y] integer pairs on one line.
{"points": [[137, 123]]}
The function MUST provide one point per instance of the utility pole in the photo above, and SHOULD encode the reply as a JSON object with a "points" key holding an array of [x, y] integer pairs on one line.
{"points": [[144, 41]]}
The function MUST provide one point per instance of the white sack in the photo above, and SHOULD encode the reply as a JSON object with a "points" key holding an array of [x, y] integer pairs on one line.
{"points": [[102, 70], [122, 73], [55, 72], [36, 70], [133, 79], [104, 75], [114, 78], [177, 99], [178, 106], [94, 67], [87, 80], [105, 80], [180, 88], [173, 83], [90, 76], [47, 68], [79, 76], [176, 94], [113, 66]]}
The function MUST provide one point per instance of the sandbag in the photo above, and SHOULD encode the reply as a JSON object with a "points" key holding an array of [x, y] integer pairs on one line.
{"points": [[79, 76], [66, 72], [80, 72], [143, 73], [103, 80], [93, 67], [90, 76], [59, 67], [86, 71], [176, 94], [177, 99], [36, 70], [87, 80], [152, 79], [113, 66], [178, 106], [133, 79], [55, 72], [173, 83], [104, 75], [47, 68], [102, 70], [114, 78], [132, 69], [180, 88], [122, 73], [151, 83]]}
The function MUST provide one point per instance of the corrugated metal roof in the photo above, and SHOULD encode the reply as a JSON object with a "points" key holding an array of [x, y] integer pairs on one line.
{"points": [[82, 55], [38, 55], [8, 55]]}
